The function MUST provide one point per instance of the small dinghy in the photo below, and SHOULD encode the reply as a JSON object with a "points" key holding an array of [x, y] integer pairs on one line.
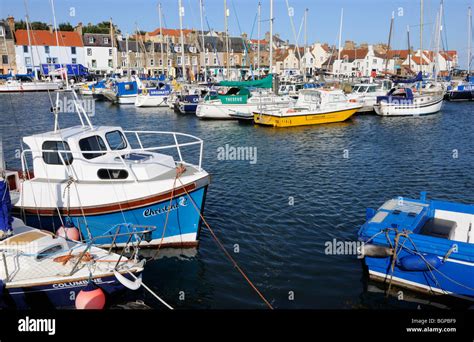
{"points": [[41, 270], [424, 245]]}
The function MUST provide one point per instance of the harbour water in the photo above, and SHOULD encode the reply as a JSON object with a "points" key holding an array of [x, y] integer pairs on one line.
{"points": [[275, 213]]}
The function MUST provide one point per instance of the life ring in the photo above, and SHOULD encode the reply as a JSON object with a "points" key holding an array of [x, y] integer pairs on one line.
{"points": [[144, 91]]}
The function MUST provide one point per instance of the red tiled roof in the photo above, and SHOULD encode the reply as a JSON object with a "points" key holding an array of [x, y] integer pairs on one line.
{"points": [[354, 54], [48, 38], [169, 32], [402, 54], [418, 60]]}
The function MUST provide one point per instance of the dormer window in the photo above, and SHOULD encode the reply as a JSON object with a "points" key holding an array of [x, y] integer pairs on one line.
{"points": [[53, 158], [93, 143]]}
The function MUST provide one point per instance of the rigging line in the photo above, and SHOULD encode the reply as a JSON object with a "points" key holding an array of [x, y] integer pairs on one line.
{"points": [[244, 43], [293, 29], [219, 243], [216, 55]]}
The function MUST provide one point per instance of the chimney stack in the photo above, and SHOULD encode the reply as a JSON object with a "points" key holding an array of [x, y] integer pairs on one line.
{"points": [[11, 25], [78, 28]]}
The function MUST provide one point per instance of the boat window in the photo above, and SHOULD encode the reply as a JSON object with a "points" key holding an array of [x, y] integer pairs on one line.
{"points": [[48, 252], [93, 143], [372, 89], [116, 140], [112, 174], [53, 158]]}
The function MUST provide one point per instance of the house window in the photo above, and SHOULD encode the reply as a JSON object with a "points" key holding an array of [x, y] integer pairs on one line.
{"points": [[195, 60], [152, 62], [124, 54], [124, 63], [215, 61], [106, 40], [93, 143], [186, 59], [206, 61], [46, 49], [178, 60], [161, 62], [53, 158], [94, 63], [5, 59], [89, 52], [374, 61], [73, 50], [91, 40], [2, 31], [137, 54], [232, 61], [169, 62], [74, 60], [49, 60], [25, 48], [110, 52], [110, 64]]}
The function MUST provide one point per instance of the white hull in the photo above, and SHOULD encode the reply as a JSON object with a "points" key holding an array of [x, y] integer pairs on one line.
{"points": [[24, 87], [217, 110], [151, 101], [127, 99], [432, 105]]}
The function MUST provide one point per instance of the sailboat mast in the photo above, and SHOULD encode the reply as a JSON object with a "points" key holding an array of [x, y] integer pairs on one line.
{"points": [[128, 56], [226, 13], [112, 40], [409, 47], [439, 27], [161, 40], [421, 43], [339, 45], [258, 35], [181, 15], [305, 43], [271, 38], [469, 39], [201, 10], [389, 41], [57, 42]]}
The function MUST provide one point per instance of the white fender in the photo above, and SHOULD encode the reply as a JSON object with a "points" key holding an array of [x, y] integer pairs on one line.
{"points": [[132, 285]]}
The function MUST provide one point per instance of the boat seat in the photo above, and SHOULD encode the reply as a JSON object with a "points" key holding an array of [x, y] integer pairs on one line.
{"points": [[439, 228]]}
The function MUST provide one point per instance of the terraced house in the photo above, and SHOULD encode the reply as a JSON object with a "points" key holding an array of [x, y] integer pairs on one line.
{"points": [[7, 47]]}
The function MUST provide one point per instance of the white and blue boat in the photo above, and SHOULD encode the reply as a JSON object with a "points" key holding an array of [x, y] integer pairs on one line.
{"points": [[156, 96], [425, 245], [462, 91], [98, 176], [39, 270], [122, 92]]}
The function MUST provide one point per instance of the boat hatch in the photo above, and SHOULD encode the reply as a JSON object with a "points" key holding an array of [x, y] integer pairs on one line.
{"points": [[135, 157], [47, 252]]}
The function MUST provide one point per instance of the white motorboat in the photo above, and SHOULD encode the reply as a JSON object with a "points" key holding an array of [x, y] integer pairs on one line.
{"points": [[17, 86], [366, 94]]}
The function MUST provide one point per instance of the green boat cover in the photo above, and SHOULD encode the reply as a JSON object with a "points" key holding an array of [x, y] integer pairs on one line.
{"points": [[263, 83]]}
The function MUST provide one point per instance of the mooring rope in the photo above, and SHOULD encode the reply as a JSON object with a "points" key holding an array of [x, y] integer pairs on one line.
{"points": [[219, 243]]}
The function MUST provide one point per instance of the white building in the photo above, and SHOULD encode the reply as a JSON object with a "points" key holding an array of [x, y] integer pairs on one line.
{"points": [[321, 53], [38, 47], [361, 62], [100, 53]]}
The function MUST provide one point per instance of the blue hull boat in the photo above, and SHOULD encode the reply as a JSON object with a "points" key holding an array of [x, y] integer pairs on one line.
{"points": [[424, 245]]}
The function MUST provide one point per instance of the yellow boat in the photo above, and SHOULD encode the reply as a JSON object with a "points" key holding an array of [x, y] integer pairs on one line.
{"points": [[314, 106]]}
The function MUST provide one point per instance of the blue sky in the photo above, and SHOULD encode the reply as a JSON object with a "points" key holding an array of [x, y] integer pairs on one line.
{"points": [[364, 20]]}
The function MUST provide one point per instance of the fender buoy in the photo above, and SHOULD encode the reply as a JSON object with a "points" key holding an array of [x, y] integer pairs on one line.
{"points": [[70, 233], [90, 298], [418, 263]]}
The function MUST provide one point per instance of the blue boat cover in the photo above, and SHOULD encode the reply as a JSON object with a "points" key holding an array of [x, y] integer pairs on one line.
{"points": [[404, 95], [418, 78], [6, 218]]}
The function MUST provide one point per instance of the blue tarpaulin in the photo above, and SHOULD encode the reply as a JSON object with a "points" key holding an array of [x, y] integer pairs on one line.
{"points": [[6, 218]]}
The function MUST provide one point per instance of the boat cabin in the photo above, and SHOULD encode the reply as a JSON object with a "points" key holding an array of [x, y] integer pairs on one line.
{"points": [[317, 98], [101, 153]]}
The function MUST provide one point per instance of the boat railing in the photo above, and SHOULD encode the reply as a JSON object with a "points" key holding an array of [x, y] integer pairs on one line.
{"points": [[120, 154]]}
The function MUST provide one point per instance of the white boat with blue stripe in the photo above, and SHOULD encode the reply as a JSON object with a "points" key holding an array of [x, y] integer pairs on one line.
{"points": [[99, 176]]}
